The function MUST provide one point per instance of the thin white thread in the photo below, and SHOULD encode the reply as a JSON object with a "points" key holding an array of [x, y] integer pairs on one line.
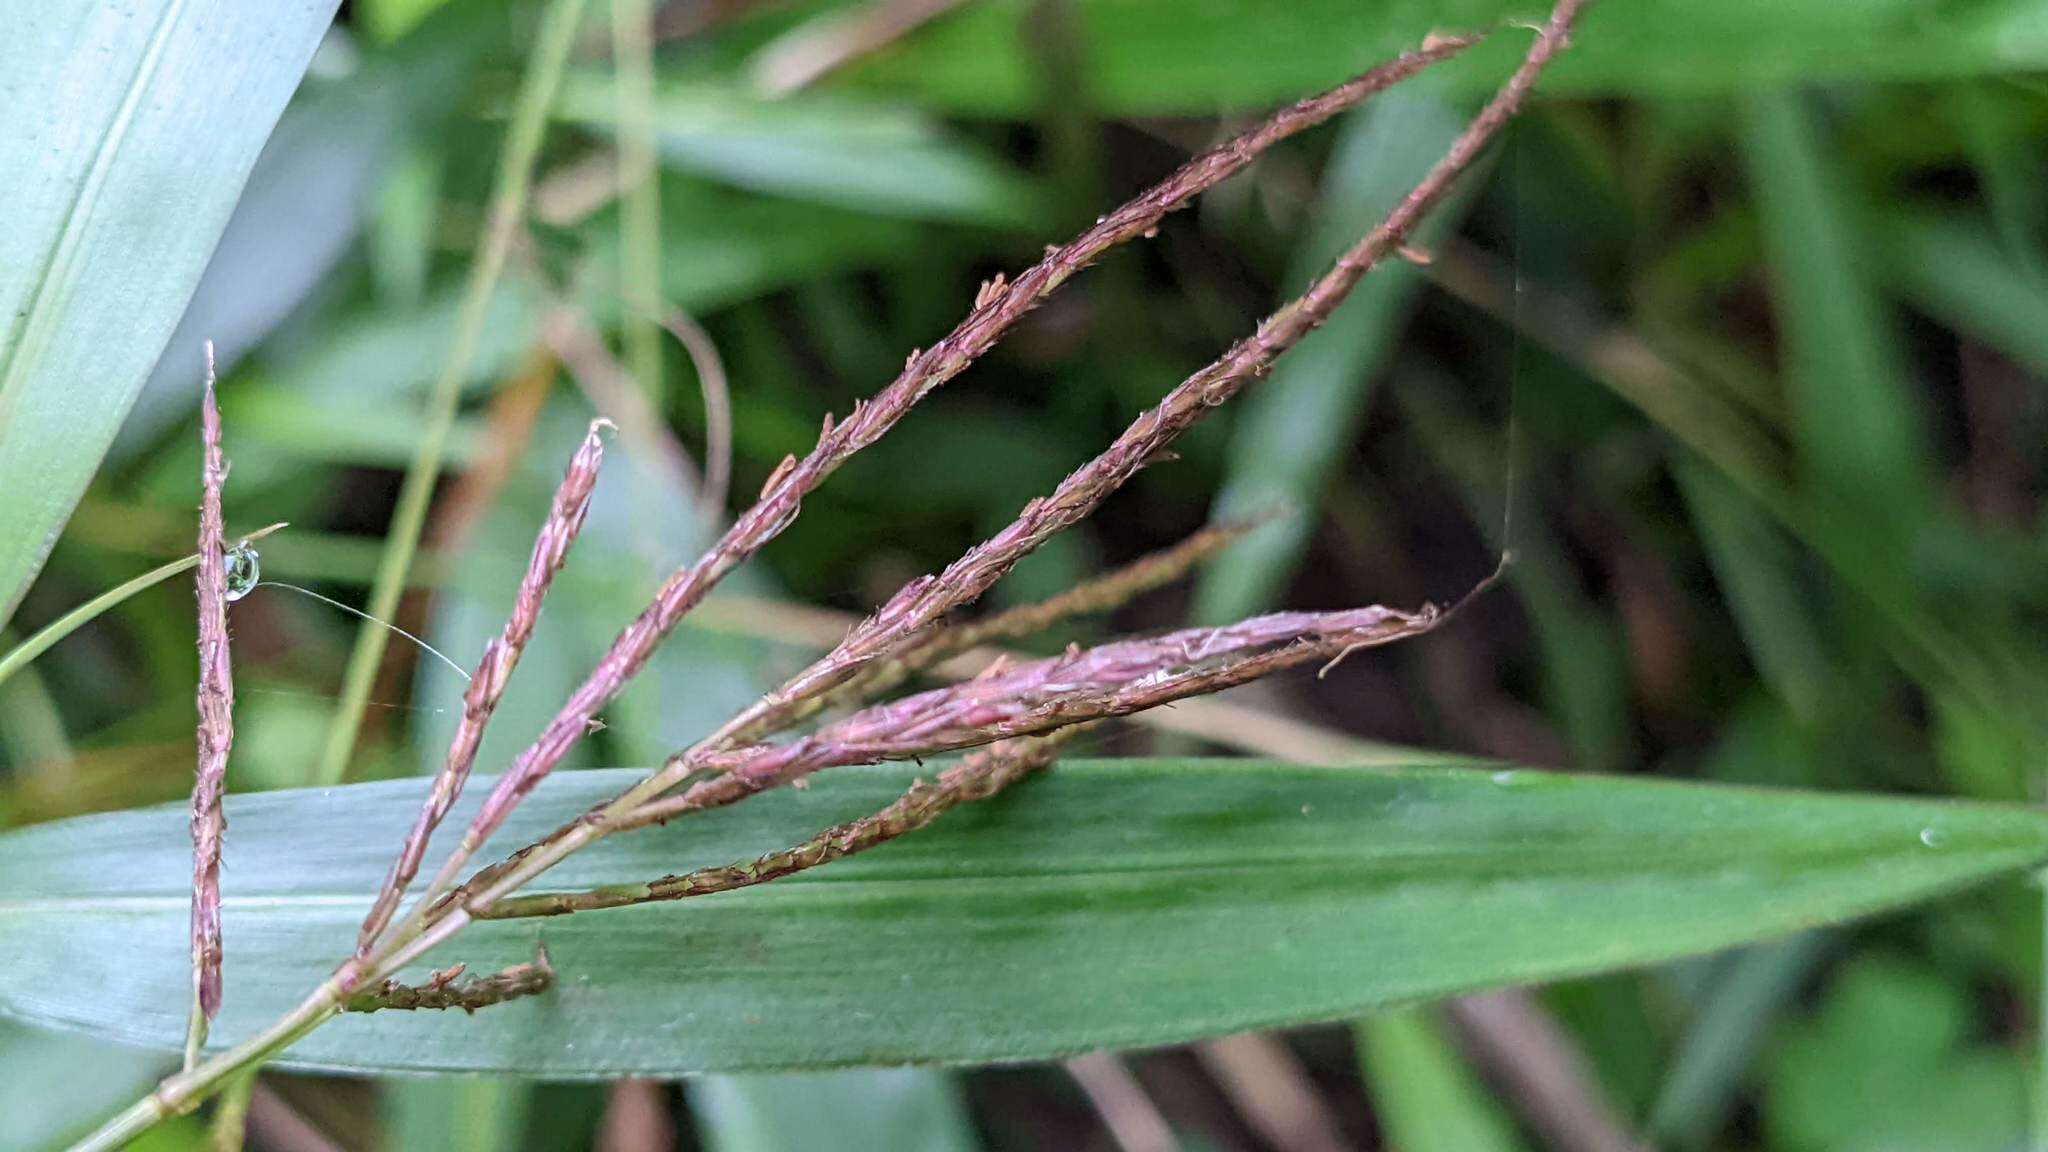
{"points": [[331, 697], [436, 652], [1514, 438]]}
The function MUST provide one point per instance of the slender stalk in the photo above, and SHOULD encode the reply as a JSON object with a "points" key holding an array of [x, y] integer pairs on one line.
{"points": [[49, 634], [712, 383], [640, 182], [1102, 594], [507, 211], [1000, 304], [231, 1117], [216, 735], [977, 777], [183, 1092]]}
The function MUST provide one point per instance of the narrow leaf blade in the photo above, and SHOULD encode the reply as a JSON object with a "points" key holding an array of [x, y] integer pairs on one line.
{"points": [[133, 128]]}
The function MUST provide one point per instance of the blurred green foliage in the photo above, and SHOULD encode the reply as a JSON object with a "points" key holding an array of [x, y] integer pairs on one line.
{"points": [[1741, 337]]}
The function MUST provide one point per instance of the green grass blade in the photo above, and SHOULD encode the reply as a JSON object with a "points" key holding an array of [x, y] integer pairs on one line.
{"points": [[1093, 890], [507, 216], [49, 634], [456, 1115], [19, 656], [868, 157], [1756, 567], [1424, 1095], [132, 129], [1960, 273], [1707, 1072], [1859, 439]]}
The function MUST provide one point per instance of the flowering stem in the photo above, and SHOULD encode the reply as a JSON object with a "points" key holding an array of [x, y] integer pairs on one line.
{"points": [[216, 727]]}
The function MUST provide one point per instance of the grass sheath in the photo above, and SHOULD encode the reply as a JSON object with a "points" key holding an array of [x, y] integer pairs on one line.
{"points": [[1022, 711], [216, 735]]}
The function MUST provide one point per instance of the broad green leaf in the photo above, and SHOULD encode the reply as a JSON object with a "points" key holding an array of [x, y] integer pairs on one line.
{"points": [[130, 131], [1103, 904], [1194, 56], [59, 1086]]}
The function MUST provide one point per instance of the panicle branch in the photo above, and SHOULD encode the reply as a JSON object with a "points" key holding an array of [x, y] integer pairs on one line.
{"points": [[448, 988], [926, 599], [1104, 593], [493, 673], [216, 727], [1113, 679], [976, 777]]}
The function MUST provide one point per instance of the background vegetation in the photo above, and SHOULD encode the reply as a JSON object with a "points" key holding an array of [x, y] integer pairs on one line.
{"points": [[1738, 342]]}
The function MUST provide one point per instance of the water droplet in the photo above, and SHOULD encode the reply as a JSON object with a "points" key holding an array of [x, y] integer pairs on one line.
{"points": [[244, 571], [1933, 837]]}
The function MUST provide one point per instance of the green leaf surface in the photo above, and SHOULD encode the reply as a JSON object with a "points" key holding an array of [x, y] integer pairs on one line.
{"points": [[1147, 57], [58, 1086], [1078, 911], [130, 131]]}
